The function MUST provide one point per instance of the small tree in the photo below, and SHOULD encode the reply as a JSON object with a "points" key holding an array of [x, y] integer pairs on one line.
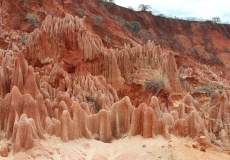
{"points": [[144, 7], [216, 19]]}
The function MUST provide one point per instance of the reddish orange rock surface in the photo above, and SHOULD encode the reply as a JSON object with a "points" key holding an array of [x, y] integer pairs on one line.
{"points": [[65, 78]]}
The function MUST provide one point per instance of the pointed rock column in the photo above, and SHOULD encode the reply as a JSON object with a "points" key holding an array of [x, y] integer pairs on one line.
{"points": [[121, 115]]}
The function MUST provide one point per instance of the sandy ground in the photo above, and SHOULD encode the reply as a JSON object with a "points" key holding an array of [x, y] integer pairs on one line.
{"points": [[126, 148]]}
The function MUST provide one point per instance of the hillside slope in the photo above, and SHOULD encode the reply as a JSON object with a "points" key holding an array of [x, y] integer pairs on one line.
{"points": [[81, 72], [203, 41]]}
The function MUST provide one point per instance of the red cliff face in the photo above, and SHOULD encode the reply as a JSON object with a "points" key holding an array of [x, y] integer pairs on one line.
{"points": [[205, 41], [198, 40], [70, 82]]}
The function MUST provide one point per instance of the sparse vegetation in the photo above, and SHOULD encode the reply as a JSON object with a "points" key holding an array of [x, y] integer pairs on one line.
{"points": [[91, 101], [156, 84], [102, 2], [220, 91], [107, 40], [133, 26], [81, 12], [118, 23], [24, 40], [31, 18], [162, 15], [216, 20], [111, 1], [144, 7], [5, 34], [130, 43], [214, 59], [130, 8], [107, 1], [205, 89], [97, 19]]}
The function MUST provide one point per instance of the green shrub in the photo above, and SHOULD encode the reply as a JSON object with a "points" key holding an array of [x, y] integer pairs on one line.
{"points": [[118, 23], [31, 18], [102, 3], [24, 40], [81, 12], [130, 8], [207, 90], [162, 15], [156, 84], [220, 91], [216, 19], [133, 26], [97, 19]]}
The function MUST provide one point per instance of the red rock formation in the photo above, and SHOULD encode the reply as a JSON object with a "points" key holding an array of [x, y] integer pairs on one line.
{"points": [[149, 123], [186, 106], [80, 122], [4, 150], [137, 120], [144, 121], [105, 133], [173, 74], [169, 121], [70, 34], [162, 128], [25, 134], [132, 60], [121, 115], [180, 128], [154, 104], [67, 128], [195, 124], [69, 90]]}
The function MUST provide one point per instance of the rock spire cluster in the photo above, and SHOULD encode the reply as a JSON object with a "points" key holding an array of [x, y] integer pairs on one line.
{"points": [[66, 86]]}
